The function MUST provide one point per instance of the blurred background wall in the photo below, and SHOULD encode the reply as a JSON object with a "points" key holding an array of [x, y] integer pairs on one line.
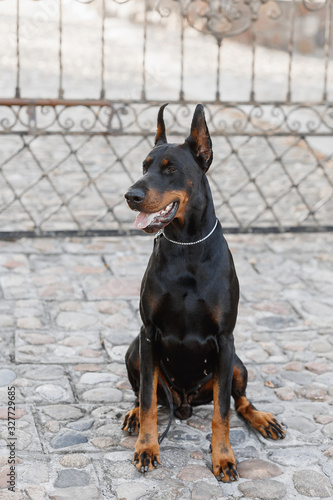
{"points": [[81, 82]]}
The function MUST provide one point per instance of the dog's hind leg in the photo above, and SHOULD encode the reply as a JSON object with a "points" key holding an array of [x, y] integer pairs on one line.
{"points": [[264, 422]]}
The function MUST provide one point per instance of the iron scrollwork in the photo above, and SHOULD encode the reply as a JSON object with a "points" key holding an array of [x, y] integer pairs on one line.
{"points": [[314, 5], [139, 118], [221, 19]]}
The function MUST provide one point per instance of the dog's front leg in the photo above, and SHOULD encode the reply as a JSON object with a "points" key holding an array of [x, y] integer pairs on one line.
{"points": [[223, 458], [146, 455]]}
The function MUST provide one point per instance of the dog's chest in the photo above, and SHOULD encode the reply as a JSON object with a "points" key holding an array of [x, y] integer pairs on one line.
{"points": [[184, 305]]}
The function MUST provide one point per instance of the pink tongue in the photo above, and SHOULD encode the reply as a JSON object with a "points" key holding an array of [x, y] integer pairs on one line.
{"points": [[143, 220]]}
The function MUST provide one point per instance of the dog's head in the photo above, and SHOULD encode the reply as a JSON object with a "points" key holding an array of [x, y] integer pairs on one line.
{"points": [[172, 174]]}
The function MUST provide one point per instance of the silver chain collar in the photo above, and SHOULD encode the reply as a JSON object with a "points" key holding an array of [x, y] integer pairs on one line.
{"points": [[161, 233]]}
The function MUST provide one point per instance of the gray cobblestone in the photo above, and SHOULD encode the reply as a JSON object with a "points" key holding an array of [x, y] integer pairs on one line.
{"points": [[76, 460], [71, 477], [71, 382], [68, 438], [81, 492], [312, 484], [264, 489], [6, 377], [35, 492]]}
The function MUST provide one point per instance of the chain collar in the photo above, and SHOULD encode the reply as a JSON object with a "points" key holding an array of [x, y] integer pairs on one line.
{"points": [[161, 233]]}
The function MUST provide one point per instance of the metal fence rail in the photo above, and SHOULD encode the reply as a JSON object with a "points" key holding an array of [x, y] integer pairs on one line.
{"points": [[262, 69]]}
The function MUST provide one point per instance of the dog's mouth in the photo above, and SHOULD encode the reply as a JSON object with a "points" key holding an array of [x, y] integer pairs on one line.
{"points": [[150, 223]]}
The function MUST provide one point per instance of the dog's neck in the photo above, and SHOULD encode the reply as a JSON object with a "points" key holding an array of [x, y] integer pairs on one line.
{"points": [[199, 218]]}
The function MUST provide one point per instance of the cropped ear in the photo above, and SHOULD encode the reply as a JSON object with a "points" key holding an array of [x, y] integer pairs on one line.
{"points": [[199, 139], [160, 137]]}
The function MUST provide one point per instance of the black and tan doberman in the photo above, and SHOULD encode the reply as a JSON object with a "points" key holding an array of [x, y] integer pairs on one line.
{"points": [[188, 305]]}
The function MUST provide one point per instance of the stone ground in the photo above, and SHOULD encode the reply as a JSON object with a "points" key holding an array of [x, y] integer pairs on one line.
{"points": [[69, 309]]}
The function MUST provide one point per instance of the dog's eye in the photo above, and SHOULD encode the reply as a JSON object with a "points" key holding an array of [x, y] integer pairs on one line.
{"points": [[146, 164], [170, 169]]}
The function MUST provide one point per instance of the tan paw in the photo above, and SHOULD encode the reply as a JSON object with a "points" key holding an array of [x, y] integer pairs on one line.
{"points": [[267, 424], [224, 466], [131, 422], [146, 455]]}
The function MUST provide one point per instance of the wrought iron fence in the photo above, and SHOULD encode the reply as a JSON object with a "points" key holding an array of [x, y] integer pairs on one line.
{"points": [[262, 68]]}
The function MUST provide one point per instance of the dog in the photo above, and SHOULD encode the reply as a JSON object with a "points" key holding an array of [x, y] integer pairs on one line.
{"points": [[188, 304]]}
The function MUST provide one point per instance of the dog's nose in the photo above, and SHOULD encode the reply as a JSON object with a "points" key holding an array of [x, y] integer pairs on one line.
{"points": [[135, 195]]}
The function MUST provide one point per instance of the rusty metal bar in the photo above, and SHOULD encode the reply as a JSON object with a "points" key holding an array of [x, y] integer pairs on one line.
{"points": [[152, 133], [291, 49], [18, 69], [25, 101], [60, 90], [102, 93], [144, 50], [52, 102], [182, 40], [218, 69], [253, 65], [327, 46]]}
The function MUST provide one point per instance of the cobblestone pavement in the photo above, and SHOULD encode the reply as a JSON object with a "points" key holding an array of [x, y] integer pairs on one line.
{"points": [[68, 310]]}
